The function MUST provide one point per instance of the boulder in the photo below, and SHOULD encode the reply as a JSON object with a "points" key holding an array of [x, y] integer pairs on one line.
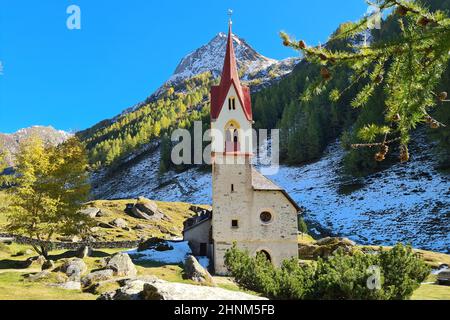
{"points": [[70, 285], [326, 247], [140, 227], [105, 225], [97, 276], [74, 268], [90, 212], [35, 261], [161, 290], [119, 223], [104, 213], [131, 290], [151, 243], [121, 265], [163, 247], [151, 288], [38, 276], [147, 206], [6, 240], [334, 241], [307, 251], [83, 252], [144, 209], [194, 271]]}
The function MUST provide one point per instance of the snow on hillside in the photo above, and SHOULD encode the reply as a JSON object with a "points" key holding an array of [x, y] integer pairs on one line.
{"points": [[408, 203]]}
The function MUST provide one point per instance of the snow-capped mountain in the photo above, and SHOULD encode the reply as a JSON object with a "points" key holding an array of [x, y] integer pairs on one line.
{"points": [[11, 142], [252, 65], [210, 57], [256, 70]]}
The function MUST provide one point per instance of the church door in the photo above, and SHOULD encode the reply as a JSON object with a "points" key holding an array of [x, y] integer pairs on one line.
{"points": [[203, 249]]}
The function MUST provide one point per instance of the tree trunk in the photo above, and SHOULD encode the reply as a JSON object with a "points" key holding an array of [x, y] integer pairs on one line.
{"points": [[44, 251]]}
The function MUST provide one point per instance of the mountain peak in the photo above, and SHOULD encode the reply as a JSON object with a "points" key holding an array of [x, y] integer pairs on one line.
{"points": [[210, 58], [48, 134]]}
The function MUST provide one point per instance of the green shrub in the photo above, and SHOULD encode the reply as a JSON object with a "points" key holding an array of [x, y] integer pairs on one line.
{"points": [[400, 272]]}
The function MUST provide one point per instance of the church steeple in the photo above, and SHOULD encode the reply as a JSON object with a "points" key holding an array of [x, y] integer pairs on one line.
{"points": [[230, 76], [230, 70]]}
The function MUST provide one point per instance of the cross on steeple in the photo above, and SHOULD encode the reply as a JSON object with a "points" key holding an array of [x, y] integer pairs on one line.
{"points": [[230, 15]]}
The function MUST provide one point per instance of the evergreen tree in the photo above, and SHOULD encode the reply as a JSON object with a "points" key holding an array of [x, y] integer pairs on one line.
{"points": [[408, 66]]}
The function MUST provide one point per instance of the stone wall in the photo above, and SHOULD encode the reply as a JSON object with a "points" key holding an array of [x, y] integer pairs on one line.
{"points": [[73, 245], [244, 204]]}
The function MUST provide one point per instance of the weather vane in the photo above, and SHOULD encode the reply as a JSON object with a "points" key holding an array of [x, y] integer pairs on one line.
{"points": [[230, 14]]}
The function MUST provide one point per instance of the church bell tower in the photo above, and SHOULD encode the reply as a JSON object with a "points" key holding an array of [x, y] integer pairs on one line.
{"points": [[232, 147]]}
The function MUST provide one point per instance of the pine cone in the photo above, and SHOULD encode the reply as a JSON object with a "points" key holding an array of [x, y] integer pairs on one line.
{"points": [[401, 11], [396, 118], [286, 43], [323, 57], [326, 75], [423, 21], [302, 44], [434, 124], [380, 157], [379, 79], [443, 96], [404, 154]]}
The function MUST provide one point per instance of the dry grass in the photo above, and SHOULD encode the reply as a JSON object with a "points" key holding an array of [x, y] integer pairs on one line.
{"points": [[176, 212], [433, 259]]}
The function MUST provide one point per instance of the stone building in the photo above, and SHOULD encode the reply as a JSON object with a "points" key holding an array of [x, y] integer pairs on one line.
{"points": [[248, 208]]}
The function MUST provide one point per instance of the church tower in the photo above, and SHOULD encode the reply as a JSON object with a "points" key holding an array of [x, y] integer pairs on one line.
{"points": [[248, 208], [231, 125]]}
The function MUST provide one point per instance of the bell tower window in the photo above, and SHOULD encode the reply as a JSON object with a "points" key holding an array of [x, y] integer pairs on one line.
{"points": [[232, 141], [232, 103]]}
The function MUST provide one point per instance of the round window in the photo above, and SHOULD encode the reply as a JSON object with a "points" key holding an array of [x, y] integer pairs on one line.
{"points": [[266, 217]]}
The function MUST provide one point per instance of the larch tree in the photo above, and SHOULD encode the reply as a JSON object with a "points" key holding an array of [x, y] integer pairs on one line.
{"points": [[408, 67], [50, 189]]}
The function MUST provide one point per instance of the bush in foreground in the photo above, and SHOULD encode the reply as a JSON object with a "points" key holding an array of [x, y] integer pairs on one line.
{"points": [[390, 275]]}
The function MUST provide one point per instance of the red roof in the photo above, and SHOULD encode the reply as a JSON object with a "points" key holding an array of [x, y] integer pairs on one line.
{"points": [[230, 77]]}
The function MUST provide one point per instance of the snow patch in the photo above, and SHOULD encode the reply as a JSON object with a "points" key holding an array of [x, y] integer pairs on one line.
{"points": [[180, 252]]}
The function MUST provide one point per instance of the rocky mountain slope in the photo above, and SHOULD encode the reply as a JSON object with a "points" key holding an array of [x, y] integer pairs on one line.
{"points": [[11, 142], [256, 70], [210, 58]]}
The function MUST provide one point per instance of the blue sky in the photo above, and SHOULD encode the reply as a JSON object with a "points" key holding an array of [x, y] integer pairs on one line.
{"points": [[72, 79]]}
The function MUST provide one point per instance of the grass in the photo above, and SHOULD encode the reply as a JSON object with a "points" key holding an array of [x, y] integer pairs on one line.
{"points": [[432, 292], [305, 239], [176, 213], [13, 287]]}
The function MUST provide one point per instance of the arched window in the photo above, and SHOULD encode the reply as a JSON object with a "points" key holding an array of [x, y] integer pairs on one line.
{"points": [[232, 137], [265, 254]]}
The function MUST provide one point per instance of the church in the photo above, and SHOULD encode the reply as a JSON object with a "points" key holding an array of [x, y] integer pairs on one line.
{"points": [[247, 207]]}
